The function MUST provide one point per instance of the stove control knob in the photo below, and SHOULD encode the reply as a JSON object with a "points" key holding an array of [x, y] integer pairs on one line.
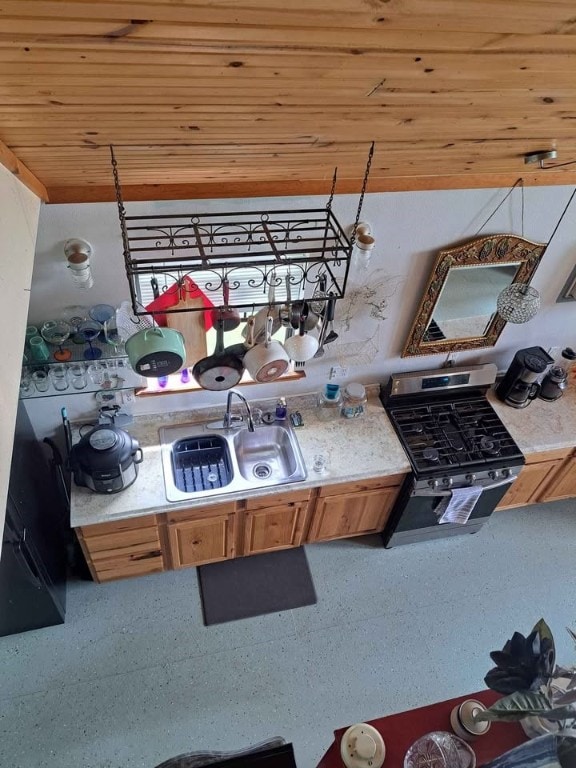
{"points": [[433, 484], [471, 478], [494, 474], [447, 482], [506, 472]]}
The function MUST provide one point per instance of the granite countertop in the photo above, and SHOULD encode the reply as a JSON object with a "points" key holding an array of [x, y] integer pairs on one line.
{"points": [[541, 426], [356, 449]]}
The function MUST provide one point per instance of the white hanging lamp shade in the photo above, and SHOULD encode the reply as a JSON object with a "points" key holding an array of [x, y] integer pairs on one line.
{"points": [[518, 303]]}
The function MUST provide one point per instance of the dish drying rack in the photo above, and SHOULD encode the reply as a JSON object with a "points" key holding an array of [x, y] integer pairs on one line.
{"points": [[240, 249]]}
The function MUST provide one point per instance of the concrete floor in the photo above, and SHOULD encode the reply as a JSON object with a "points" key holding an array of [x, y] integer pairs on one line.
{"points": [[133, 677]]}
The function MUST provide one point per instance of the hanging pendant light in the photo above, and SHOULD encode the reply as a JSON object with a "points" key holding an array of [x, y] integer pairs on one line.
{"points": [[518, 303]]}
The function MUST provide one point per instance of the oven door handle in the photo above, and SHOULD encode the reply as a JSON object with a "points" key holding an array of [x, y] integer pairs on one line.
{"points": [[432, 492]]}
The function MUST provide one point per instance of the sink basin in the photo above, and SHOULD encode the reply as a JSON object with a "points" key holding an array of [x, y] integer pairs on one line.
{"points": [[202, 460], [266, 454], [201, 463]]}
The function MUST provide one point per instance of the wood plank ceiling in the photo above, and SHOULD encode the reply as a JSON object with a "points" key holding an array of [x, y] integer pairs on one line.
{"points": [[216, 98]]}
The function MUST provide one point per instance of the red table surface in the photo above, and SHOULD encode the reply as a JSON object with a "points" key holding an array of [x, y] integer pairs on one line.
{"points": [[400, 731]]}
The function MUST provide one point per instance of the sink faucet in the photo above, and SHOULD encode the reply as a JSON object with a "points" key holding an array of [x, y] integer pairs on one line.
{"points": [[228, 415]]}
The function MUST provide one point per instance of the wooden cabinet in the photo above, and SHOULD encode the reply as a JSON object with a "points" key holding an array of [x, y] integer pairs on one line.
{"points": [[125, 548], [563, 484], [537, 475], [183, 538], [276, 522], [353, 509], [201, 536]]}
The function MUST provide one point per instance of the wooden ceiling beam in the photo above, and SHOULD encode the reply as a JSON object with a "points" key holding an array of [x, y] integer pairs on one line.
{"points": [[290, 188], [10, 161]]}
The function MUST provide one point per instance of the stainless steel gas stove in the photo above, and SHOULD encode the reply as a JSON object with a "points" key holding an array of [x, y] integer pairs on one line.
{"points": [[463, 458]]}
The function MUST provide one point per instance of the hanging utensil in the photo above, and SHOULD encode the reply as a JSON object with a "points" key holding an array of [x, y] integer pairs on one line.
{"points": [[303, 346], [230, 317], [318, 303], [155, 288], [261, 317], [331, 334]]}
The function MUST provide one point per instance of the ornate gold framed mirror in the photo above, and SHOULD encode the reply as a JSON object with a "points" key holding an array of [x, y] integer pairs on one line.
{"points": [[458, 309]]}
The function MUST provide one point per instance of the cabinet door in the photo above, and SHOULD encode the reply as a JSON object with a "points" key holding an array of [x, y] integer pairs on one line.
{"points": [[563, 485], [271, 528], [201, 541], [535, 475], [337, 517]]}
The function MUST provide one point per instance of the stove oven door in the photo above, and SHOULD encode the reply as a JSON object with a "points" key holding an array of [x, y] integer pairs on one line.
{"points": [[415, 517]]}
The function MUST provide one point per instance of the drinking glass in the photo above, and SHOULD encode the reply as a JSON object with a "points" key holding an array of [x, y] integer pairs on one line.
{"points": [[39, 352], [31, 331], [41, 381], [26, 384], [96, 372], [320, 463], [59, 377], [89, 330], [56, 332], [77, 374]]}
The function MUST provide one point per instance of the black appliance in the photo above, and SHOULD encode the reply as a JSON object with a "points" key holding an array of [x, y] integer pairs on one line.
{"points": [[553, 384], [454, 440], [281, 756], [105, 460], [33, 558], [519, 386]]}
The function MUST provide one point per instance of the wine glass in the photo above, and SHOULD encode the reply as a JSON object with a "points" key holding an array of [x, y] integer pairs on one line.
{"points": [[101, 313], [89, 331], [75, 315], [56, 332], [112, 335]]}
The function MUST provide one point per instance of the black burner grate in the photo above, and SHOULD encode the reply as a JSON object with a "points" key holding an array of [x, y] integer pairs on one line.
{"points": [[449, 435]]}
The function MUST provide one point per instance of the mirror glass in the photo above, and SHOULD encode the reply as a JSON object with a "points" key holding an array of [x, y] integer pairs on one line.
{"points": [[458, 310], [467, 301]]}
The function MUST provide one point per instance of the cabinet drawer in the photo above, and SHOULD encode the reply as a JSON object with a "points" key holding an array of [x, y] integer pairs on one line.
{"points": [[119, 526], [126, 567], [117, 541], [362, 485], [278, 499], [213, 510]]}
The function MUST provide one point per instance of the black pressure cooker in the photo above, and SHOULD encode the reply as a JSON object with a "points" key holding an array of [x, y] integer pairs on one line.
{"points": [[105, 460]]}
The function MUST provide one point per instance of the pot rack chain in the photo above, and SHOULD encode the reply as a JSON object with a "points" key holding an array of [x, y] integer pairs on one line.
{"points": [[362, 193]]}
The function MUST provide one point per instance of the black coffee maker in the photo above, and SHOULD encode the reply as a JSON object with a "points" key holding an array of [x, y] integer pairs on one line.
{"points": [[519, 386]]}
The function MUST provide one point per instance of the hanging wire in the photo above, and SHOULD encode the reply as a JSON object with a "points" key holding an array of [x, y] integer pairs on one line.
{"points": [[560, 219], [517, 183]]}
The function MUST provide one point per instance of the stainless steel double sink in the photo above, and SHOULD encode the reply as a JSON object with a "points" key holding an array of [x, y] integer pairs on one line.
{"points": [[203, 460]]}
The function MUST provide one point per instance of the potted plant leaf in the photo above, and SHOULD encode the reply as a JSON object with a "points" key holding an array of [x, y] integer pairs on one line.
{"points": [[538, 693]]}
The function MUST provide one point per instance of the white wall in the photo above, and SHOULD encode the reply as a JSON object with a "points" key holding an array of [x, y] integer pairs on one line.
{"points": [[410, 228], [19, 210]]}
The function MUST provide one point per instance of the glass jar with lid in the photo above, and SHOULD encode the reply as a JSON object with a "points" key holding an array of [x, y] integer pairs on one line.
{"points": [[329, 402], [354, 401], [568, 361]]}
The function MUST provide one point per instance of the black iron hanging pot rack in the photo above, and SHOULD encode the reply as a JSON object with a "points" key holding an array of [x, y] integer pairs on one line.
{"points": [[309, 241]]}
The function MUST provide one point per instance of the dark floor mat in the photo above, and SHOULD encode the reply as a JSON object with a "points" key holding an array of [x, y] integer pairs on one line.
{"points": [[255, 585]]}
